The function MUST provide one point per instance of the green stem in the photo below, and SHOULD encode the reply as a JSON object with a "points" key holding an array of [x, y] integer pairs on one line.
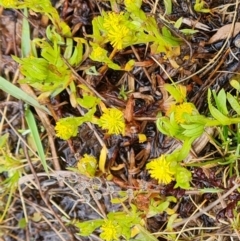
{"points": [[218, 123]]}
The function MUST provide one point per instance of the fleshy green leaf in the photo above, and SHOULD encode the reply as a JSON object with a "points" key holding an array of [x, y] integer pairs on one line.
{"points": [[234, 103], [168, 6], [178, 23], [88, 227], [216, 113], [221, 101]]}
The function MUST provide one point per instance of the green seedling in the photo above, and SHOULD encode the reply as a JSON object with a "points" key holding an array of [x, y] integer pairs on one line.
{"points": [[199, 6]]}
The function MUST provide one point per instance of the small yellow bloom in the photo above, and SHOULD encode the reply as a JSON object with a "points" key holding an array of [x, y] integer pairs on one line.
{"points": [[116, 36], [116, 30], [159, 169], [181, 109], [113, 121], [109, 231], [112, 19], [87, 165], [66, 128]]}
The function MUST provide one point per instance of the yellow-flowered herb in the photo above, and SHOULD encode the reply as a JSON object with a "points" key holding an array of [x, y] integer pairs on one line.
{"points": [[113, 121], [180, 111], [109, 231], [66, 128], [160, 169]]}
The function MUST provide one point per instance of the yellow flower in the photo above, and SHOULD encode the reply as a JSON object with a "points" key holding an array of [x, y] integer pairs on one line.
{"points": [[109, 231], [112, 19], [116, 36], [159, 169], [181, 109], [87, 165], [66, 128], [113, 121], [116, 30]]}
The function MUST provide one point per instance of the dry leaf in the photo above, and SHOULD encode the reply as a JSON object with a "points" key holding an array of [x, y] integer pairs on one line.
{"points": [[103, 158], [128, 112], [223, 32]]}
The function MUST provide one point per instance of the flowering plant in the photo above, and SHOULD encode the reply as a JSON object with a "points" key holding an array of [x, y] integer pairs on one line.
{"points": [[112, 120], [114, 226], [167, 168], [123, 29]]}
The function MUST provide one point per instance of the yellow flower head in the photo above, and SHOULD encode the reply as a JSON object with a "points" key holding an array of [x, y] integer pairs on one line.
{"points": [[116, 36], [112, 19], [181, 109], [87, 165], [116, 30], [113, 121], [66, 128], [159, 169], [109, 231]]}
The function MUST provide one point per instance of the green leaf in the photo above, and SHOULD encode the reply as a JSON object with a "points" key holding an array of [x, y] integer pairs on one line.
{"points": [[88, 227], [221, 101], [234, 103], [3, 140], [199, 6], [186, 147], [160, 208], [20, 95], [69, 49], [211, 190], [77, 55], [188, 31], [34, 130], [168, 6], [178, 23], [144, 235], [22, 223], [175, 92], [183, 178], [171, 221], [216, 113], [92, 71], [193, 130], [235, 84], [25, 40]]}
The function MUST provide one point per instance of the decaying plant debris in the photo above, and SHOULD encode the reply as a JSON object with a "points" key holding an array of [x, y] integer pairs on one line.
{"points": [[52, 202]]}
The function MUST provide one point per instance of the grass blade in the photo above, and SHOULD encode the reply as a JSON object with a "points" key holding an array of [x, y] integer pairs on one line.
{"points": [[19, 94], [25, 39], [34, 130]]}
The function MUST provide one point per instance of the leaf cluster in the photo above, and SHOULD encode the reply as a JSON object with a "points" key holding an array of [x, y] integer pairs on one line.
{"points": [[49, 72], [123, 221], [129, 28]]}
